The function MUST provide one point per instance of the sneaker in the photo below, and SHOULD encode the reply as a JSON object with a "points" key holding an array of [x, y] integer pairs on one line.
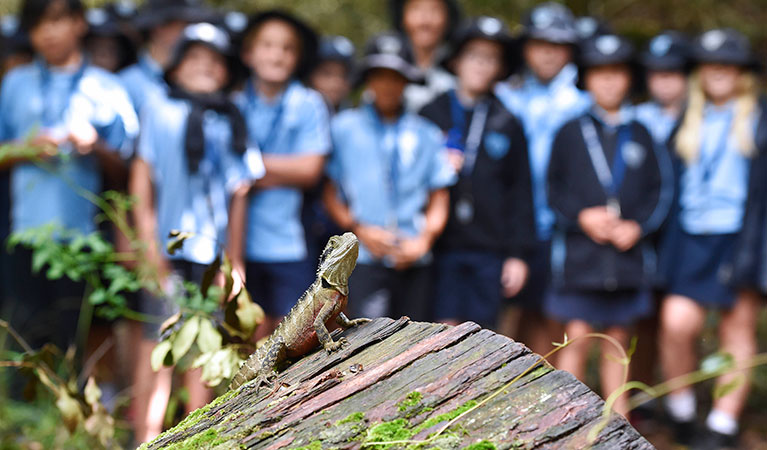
{"points": [[711, 440], [684, 432]]}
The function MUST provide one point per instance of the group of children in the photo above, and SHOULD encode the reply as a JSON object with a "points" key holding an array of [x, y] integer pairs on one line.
{"points": [[478, 166]]}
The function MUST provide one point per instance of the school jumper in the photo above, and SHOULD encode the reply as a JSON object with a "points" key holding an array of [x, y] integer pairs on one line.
{"points": [[594, 164], [491, 207]]}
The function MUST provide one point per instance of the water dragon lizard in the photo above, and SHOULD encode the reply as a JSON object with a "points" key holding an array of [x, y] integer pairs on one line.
{"points": [[305, 325]]}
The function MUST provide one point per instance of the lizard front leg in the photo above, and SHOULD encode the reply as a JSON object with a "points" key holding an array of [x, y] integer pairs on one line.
{"points": [[322, 332], [345, 322]]}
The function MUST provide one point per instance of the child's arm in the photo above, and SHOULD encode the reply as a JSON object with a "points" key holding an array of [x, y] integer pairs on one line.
{"points": [[145, 216], [301, 171], [236, 233]]}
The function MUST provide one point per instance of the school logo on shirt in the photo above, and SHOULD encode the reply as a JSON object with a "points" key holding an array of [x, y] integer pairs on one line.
{"points": [[407, 142], [634, 154], [497, 144]]}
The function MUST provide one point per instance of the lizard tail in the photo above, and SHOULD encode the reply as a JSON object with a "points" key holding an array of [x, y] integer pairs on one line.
{"points": [[247, 371]]}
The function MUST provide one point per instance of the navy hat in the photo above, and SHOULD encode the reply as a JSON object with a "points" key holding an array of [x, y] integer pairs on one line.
{"points": [[124, 10], [387, 51], [106, 22], [235, 22], [724, 46], [669, 50], [14, 39], [588, 27], [336, 48], [605, 50], [483, 27], [309, 40], [551, 22], [397, 7], [212, 36], [157, 12]]}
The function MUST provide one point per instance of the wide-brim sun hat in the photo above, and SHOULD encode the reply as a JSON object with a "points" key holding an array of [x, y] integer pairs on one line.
{"points": [[550, 22], [668, 51], [158, 12], [307, 35], [723, 46], [387, 51], [605, 50], [487, 28]]}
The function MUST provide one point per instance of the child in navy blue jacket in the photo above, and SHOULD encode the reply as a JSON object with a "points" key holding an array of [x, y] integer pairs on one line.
{"points": [[606, 187]]}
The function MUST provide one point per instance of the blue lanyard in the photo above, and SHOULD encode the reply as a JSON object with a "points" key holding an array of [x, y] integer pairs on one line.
{"points": [[266, 144], [611, 177], [50, 117], [709, 166], [455, 135]]}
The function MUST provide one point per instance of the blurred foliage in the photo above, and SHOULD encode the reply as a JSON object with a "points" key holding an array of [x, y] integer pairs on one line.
{"points": [[640, 19]]}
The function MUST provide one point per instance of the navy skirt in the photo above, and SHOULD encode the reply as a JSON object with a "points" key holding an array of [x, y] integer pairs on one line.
{"points": [[702, 269], [599, 308]]}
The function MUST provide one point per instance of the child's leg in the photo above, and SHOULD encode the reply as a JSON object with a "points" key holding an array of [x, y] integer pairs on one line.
{"points": [[681, 324], [151, 391], [737, 334], [611, 371], [199, 394], [573, 358]]}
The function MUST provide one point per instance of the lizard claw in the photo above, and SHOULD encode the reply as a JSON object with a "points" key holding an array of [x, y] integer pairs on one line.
{"points": [[336, 345], [360, 321]]}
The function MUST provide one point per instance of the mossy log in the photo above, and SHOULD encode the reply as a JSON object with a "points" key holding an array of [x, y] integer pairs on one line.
{"points": [[404, 380]]}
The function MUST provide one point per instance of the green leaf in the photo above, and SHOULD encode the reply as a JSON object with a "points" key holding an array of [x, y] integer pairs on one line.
{"points": [[249, 314], [159, 353], [210, 274], [71, 413], [717, 363], [177, 240], [169, 322], [208, 339], [720, 390], [98, 296], [226, 268], [185, 338], [92, 393]]}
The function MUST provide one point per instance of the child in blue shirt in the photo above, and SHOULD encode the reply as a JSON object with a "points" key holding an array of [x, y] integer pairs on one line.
{"points": [[388, 184], [713, 150], [81, 118], [161, 23], [190, 174], [288, 122], [544, 97]]}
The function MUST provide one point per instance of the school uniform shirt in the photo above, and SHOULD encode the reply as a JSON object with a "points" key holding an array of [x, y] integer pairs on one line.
{"points": [[713, 188], [38, 99], [543, 109], [645, 195], [143, 80], [295, 123], [497, 187], [193, 202], [386, 171], [657, 120]]}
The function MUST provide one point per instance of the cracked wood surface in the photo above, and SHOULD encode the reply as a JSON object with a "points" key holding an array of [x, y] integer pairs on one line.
{"points": [[385, 361]]}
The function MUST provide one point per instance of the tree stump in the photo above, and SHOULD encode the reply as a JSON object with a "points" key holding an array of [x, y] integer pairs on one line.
{"points": [[399, 379]]}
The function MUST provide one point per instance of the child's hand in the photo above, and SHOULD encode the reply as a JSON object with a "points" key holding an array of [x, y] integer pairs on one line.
{"points": [[409, 250], [379, 241], [455, 158], [48, 145], [83, 137], [513, 276], [625, 235], [597, 222]]}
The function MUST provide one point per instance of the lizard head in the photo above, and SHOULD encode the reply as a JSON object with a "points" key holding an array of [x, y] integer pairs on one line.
{"points": [[338, 261]]}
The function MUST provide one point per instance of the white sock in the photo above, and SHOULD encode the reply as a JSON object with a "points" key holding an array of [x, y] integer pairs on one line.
{"points": [[722, 422], [681, 405]]}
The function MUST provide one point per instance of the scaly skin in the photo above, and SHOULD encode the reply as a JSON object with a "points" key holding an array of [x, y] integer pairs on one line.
{"points": [[305, 325]]}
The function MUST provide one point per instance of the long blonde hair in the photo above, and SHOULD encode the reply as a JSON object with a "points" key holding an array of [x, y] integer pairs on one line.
{"points": [[688, 138]]}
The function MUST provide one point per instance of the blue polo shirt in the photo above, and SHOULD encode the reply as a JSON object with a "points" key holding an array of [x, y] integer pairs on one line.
{"points": [[543, 109], [657, 120], [385, 171], [294, 123], [714, 187], [36, 99], [194, 202], [143, 80]]}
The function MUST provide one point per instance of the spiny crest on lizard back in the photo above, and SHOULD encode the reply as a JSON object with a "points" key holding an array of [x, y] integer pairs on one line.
{"points": [[338, 259]]}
